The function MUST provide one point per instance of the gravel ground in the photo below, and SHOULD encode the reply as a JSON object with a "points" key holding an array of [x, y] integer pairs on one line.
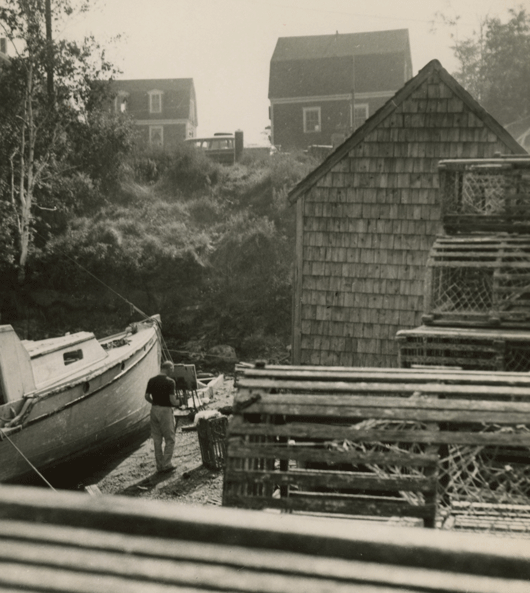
{"points": [[191, 483]]}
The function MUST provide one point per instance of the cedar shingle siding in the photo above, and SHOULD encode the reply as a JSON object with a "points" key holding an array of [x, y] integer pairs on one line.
{"points": [[368, 215]]}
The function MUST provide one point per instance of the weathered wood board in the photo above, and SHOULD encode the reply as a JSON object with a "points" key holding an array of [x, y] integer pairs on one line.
{"points": [[72, 543], [467, 348]]}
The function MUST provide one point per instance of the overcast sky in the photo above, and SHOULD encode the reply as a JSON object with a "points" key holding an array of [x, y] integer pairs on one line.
{"points": [[226, 45]]}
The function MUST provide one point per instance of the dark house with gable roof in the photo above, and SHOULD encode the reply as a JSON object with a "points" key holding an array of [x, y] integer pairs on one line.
{"points": [[367, 217], [323, 87], [164, 109]]}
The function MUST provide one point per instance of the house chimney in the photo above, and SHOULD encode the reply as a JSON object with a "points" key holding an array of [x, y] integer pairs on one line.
{"points": [[3, 45], [239, 144]]}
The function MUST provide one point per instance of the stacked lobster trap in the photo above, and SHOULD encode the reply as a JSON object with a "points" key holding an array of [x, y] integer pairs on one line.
{"points": [[477, 318], [448, 449], [477, 282]]}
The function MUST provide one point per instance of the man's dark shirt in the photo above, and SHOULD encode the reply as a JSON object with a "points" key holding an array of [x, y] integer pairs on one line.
{"points": [[160, 388]]}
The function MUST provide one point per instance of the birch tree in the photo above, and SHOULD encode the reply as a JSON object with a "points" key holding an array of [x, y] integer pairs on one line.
{"points": [[38, 121]]}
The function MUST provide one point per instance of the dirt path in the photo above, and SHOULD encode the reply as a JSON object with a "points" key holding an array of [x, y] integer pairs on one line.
{"points": [[191, 483]]}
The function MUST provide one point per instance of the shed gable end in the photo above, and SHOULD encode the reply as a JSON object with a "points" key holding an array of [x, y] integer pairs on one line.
{"points": [[366, 225]]}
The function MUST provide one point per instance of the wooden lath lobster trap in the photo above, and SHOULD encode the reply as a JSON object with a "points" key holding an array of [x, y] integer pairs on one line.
{"points": [[382, 443], [480, 280], [485, 194], [465, 348]]}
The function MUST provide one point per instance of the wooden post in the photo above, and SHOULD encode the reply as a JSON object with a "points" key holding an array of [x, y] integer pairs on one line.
{"points": [[296, 353]]}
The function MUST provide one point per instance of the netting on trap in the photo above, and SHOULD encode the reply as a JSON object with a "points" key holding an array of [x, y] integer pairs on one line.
{"points": [[482, 278], [512, 282], [476, 192], [517, 358], [461, 289], [478, 195], [478, 488], [389, 470]]}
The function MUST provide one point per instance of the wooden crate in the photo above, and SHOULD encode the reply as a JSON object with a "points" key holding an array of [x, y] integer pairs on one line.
{"points": [[72, 543], [478, 280], [491, 195], [366, 441], [465, 348]]}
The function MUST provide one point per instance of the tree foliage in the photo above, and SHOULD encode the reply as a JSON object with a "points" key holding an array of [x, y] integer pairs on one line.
{"points": [[54, 140], [494, 64]]}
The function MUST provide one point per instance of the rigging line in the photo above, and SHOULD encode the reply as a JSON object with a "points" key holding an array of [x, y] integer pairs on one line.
{"points": [[165, 350], [3, 435], [98, 279]]}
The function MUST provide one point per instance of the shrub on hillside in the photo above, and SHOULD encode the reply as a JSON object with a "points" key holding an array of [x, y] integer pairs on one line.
{"points": [[248, 288], [181, 171], [205, 211], [288, 168]]}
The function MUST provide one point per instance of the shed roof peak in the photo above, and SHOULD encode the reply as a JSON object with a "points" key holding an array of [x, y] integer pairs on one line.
{"points": [[388, 108]]}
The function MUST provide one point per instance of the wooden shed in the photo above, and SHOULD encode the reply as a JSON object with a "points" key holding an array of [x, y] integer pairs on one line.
{"points": [[367, 217]]}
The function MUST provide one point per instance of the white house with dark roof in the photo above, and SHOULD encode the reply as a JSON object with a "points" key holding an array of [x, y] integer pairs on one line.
{"points": [[323, 87], [164, 109]]}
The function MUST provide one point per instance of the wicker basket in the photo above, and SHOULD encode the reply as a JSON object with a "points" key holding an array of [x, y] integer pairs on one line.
{"points": [[485, 195], [479, 280], [468, 349], [212, 440]]}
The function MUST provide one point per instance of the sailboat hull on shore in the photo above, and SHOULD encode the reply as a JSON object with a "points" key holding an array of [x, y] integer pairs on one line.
{"points": [[85, 397]]}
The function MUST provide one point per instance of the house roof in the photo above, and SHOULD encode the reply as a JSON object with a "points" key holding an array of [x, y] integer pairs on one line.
{"points": [[182, 87], [340, 45], [389, 107]]}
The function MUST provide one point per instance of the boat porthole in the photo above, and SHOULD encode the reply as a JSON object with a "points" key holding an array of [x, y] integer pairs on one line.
{"points": [[122, 366], [86, 387]]}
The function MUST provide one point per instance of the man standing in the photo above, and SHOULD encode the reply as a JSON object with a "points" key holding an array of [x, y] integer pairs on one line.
{"points": [[161, 394]]}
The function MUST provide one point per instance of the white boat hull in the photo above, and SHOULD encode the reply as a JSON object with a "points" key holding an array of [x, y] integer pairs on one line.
{"points": [[98, 411]]}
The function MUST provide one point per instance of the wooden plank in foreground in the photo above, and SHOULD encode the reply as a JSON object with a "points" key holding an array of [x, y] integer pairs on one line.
{"points": [[70, 543]]}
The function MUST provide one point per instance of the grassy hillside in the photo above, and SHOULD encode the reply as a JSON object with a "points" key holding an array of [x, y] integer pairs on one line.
{"points": [[208, 247]]}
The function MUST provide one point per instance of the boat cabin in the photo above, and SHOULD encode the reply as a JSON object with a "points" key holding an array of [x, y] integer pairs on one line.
{"points": [[26, 365], [16, 373]]}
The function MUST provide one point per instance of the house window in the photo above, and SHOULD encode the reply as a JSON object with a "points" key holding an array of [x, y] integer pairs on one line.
{"points": [[155, 102], [156, 135], [120, 102], [360, 115], [312, 119]]}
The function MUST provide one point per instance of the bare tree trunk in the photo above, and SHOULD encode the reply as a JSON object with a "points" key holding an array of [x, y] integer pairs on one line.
{"points": [[26, 181]]}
